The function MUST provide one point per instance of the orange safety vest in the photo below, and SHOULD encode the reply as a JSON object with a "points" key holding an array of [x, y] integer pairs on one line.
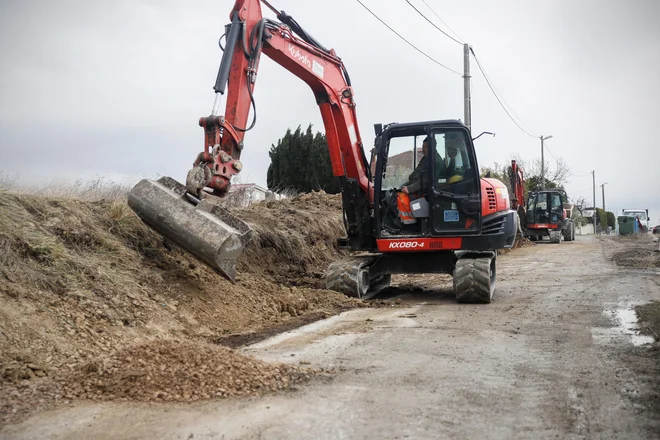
{"points": [[405, 213]]}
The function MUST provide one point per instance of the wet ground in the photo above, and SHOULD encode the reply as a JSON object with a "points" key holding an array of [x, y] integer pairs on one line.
{"points": [[556, 355]]}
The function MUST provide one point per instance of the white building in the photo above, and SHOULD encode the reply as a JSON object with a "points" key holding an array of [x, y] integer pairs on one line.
{"points": [[244, 194]]}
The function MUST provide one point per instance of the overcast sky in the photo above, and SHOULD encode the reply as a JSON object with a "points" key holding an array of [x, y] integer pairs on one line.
{"points": [[115, 89]]}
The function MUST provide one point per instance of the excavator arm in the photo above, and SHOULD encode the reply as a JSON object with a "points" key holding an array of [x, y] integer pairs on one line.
{"points": [[518, 190], [517, 186], [248, 36], [189, 215]]}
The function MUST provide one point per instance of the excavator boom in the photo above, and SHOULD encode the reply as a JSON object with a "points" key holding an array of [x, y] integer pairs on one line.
{"points": [[189, 214]]}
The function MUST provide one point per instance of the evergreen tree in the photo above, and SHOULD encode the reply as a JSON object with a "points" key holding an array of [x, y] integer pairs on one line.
{"points": [[300, 161]]}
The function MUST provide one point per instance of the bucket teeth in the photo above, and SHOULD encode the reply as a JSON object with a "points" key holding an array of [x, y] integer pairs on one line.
{"points": [[207, 231]]}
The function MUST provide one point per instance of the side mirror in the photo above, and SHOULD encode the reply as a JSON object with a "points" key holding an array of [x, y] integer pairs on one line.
{"points": [[483, 133], [378, 129]]}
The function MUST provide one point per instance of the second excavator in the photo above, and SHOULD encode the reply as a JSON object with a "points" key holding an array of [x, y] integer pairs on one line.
{"points": [[457, 222]]}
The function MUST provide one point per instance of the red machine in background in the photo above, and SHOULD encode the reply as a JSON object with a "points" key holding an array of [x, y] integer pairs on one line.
{"points": [[462, 219], [545, 213]]}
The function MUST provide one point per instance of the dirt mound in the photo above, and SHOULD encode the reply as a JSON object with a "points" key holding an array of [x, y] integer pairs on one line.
{"points": [[293, 240], [638, 251], [518, 243], [649, 319], [157, 371], [79, 280]]}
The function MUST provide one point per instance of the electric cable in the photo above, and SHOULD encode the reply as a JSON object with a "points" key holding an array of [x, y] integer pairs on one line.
{"points": [[409, 43], [443, 22], [551, 153], [432, 24], [581, 174], [582, 190], [492, 89]]}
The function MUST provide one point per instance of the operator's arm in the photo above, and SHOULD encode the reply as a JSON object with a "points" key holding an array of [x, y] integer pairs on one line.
{"points": [[414, 186], [418, 179]]}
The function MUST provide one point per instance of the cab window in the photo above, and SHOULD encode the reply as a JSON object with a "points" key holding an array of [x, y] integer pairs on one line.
{"points": [[454, 169]]}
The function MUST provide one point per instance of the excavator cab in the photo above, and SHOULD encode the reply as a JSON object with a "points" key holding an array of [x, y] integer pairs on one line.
{"points": [[436, 162]]}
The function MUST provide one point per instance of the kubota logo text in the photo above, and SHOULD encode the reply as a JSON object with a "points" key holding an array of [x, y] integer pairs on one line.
{"points": [[406, 245], [300, 57]]}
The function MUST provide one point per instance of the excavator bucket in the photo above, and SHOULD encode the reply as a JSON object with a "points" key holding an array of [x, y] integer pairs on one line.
{"points": [[207, 231]]}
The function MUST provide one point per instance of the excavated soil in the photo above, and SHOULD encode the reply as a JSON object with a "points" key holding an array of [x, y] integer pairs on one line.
{"points": [[641, 252], [649, 319], [637, 251], [86, 284], [160, 371]]}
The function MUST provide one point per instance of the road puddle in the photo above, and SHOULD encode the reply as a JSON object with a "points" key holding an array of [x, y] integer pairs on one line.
{"points": [[626, 326], [628, 323]]}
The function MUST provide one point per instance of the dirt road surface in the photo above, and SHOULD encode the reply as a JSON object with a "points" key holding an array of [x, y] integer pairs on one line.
{"points": [[556, 355]]}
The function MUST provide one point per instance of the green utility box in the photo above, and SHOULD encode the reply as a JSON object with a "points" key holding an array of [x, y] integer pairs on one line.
{"points": [[626, 225]]}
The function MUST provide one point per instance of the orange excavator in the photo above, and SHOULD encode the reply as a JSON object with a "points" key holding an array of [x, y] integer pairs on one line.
{"points": [[460, 220], [546, 212]]}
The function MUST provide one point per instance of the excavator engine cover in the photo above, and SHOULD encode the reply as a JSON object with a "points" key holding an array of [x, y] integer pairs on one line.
{"points": [[206, 230]]}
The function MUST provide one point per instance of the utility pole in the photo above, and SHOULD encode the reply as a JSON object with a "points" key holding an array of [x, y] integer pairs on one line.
{"points": [[543, 162], [603, 188], [466, 87], [594, 176]]}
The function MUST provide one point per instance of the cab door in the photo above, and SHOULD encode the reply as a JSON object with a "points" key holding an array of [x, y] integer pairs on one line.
{"points": [[455, 186]]}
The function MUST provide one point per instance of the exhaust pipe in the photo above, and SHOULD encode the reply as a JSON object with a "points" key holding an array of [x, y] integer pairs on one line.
{"points": [[207, 231]]}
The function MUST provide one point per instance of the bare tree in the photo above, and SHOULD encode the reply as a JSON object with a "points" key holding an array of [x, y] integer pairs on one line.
{"points": [[555, 177]]}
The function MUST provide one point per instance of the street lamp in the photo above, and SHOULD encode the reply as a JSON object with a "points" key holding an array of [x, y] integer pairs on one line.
{"points": [[542, 161]]}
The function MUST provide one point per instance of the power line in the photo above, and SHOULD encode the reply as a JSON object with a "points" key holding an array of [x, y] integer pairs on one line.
{"points": [[582, 190], [551, 153], [411, 45], [500, 95], [493, 89], [432, 24], [581, 174], [527, 132], [443, 22]]}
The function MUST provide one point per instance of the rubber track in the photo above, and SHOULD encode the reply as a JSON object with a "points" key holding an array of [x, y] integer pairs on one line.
{"points": [[472, 282]]}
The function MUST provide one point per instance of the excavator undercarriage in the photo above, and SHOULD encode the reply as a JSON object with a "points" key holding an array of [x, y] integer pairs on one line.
{"points": [[365, 276]]}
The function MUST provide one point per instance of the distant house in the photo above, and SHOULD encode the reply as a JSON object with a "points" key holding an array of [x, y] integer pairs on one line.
{"points": [[402, 160], [244, 194]]}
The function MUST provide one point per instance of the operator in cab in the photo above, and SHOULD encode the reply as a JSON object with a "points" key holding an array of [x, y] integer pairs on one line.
{"points": [[418, 181]]}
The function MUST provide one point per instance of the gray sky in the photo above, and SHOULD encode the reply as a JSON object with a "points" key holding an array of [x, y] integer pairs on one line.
{"points": [[115, 89]]}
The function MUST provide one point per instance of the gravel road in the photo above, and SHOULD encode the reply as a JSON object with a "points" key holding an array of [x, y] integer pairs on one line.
{"points": [[556, 355]]}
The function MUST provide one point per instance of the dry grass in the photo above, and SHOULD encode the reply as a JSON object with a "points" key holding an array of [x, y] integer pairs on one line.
{"points": [[98, 189]]}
